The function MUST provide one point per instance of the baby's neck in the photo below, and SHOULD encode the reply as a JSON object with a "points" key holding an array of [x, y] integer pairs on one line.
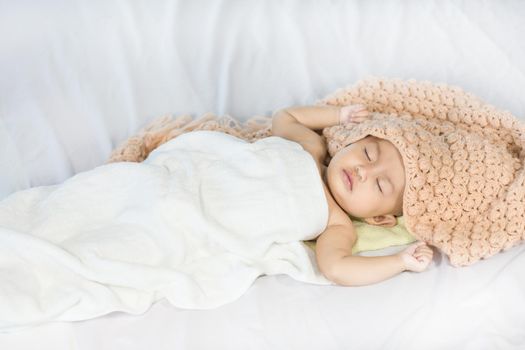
{"points": [[323, 172]]}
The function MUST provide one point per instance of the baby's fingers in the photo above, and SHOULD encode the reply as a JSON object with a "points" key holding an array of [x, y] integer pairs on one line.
{"points": [[356, 107], [362, 114], [424, 248], [423, 257], [360, 117]]}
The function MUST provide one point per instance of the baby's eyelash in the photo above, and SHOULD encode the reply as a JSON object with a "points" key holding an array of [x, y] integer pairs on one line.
{"points": [[378, 185], [367, 154], [377, 181]]}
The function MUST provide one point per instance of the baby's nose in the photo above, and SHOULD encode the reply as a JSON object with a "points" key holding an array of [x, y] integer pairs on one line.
{"points": [[361, 173]]}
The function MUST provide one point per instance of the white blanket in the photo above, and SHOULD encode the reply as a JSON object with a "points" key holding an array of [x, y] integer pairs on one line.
{"points": [[196, 223]]}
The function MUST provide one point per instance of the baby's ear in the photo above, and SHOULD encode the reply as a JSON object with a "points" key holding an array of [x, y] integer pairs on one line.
{"points": [[382, 220]]}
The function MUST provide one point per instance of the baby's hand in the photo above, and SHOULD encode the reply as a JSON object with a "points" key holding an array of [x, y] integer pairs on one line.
{"points": [[417, 256], [353, 114]]}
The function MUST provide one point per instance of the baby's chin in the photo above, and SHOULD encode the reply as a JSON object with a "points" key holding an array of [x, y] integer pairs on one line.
{"points": [[357, 214], [354, 215]]}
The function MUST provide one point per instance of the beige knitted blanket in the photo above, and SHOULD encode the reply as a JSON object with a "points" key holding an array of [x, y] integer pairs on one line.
{"points": [[463, 159]]}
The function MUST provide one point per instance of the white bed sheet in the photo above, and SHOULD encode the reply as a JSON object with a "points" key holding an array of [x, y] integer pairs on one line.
{"points": [[478, 308], [78, 77]]}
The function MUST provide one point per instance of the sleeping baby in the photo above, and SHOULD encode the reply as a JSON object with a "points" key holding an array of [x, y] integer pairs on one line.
{"points": [[198, 216], [366, 179], [198, 221]]}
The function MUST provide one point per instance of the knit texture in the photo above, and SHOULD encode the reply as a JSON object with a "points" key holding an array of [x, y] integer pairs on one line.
{"points": [[463, 159], [163, 129]]}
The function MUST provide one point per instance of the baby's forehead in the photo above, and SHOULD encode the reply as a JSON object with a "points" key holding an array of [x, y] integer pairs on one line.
{"points": [[372, 138], [385, 144]]}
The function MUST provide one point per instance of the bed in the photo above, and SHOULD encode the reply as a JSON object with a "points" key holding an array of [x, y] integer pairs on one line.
{"points": [[79, 77]]}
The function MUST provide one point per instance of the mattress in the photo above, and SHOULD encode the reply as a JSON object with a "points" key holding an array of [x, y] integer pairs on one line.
{"points": [[79, 77]]}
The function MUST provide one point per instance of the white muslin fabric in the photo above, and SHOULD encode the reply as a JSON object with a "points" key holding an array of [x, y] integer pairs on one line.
{"points": [[196, 223]]}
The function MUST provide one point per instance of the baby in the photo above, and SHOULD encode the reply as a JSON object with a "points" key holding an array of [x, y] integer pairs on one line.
{"points": [[366, 180]]}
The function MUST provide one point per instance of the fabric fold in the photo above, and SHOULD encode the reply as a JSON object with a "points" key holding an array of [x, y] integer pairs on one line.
{"points": [[196, 223]]}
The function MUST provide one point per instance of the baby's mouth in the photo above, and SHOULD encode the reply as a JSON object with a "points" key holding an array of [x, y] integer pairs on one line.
{"points": [[348, 179]]}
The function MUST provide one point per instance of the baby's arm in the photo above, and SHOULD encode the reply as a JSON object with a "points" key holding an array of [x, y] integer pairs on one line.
{"points": [[336, 262], [298, 124], [320, 117]]}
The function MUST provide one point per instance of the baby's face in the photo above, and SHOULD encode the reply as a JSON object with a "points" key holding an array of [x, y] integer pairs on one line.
{"points": [[377, 177]]}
